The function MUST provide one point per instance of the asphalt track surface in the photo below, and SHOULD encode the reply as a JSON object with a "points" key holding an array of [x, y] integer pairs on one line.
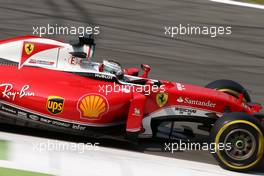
{"points": [[132, 32]]}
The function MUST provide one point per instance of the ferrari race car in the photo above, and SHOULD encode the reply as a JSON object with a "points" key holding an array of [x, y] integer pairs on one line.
{"points": [[56, 85]]}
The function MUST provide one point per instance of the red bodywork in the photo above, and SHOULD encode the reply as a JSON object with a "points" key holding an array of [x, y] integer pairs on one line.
{"points": [[72, 87], [81, 101]]}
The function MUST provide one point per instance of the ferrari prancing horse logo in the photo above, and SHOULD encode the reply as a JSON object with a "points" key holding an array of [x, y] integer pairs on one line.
{"points": [[29, 48], [161, 99]]}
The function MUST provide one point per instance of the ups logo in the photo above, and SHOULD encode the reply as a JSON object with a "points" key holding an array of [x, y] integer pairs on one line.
{"points": [[55, 104]]}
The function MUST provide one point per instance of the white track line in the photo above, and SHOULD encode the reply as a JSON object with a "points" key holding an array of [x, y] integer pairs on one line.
{"points": [[244, 4]]}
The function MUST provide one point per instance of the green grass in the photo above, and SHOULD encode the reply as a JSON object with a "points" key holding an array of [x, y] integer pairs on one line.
{"points": [[256, 1], [3, 150], [15, 172]]}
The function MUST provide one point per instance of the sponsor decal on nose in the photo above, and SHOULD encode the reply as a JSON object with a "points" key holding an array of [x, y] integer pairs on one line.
{"points": [[190, 101]]}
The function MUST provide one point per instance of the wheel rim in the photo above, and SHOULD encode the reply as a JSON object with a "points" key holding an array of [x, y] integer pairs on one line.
{"points": [[243, 144]]}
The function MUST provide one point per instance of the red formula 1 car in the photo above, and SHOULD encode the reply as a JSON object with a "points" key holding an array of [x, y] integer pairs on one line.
{"points": [[45, 82]]}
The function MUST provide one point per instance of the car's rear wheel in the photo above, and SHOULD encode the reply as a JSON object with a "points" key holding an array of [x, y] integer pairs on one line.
{"points": [[241, 139], [230, 87]]}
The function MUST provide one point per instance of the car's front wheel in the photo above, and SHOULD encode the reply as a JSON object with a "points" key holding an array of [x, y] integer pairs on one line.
{"points": [[239, 140]]}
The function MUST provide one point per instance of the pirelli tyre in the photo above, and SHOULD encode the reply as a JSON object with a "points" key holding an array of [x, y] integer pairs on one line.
{"points": [[239, 142], [230, 87]]}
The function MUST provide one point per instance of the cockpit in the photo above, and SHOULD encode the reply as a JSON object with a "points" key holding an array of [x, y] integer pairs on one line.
{"points": [[108, 69]]}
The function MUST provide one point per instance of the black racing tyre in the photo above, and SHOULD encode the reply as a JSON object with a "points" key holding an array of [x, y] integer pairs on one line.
{"points": [[239, 141], [230, 87]]}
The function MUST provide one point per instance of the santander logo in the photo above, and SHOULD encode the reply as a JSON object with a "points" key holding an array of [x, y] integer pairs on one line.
{"points": [[190, 101], [180, 100]]}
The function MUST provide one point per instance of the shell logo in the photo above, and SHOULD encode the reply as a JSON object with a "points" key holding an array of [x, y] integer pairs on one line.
{"points": [[92, 106]]}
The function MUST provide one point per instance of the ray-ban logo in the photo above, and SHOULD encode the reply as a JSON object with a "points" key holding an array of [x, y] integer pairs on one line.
{"points": [[10, 93]]}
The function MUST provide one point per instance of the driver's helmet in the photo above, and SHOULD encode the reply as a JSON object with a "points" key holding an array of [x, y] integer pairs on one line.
{"points": [[113, 67]]}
